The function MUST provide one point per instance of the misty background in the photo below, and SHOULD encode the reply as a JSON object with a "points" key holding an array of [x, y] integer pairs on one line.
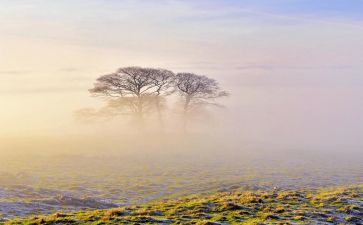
{"points": [[293, 69]]}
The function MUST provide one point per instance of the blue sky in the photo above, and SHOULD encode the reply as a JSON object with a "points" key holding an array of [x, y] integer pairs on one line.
{"points": [[348, 8]]}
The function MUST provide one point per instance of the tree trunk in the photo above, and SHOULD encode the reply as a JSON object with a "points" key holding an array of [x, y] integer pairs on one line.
{"points": [[185, 113], [140, 114], [160, 115]]}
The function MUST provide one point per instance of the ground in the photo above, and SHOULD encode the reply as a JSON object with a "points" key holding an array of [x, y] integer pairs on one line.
{"points": [[334, 205]]}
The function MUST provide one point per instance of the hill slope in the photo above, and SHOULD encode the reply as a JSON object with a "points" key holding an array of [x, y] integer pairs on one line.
{"points": [[323, 206]]}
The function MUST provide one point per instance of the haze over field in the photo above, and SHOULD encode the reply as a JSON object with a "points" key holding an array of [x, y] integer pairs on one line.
{"points": [[285, 111]]}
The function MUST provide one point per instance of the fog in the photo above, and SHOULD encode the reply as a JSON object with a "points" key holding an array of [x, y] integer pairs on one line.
{"points": [[293, 117]]}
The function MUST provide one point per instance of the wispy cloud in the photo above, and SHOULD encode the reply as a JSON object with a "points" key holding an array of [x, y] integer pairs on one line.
{"points": [[205, 65], [304, 18], [70, 69], [41, 90], [289, 67], [13, 72]]}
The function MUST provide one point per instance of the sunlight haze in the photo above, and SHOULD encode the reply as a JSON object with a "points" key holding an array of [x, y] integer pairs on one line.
{"points": [[294, 72]]}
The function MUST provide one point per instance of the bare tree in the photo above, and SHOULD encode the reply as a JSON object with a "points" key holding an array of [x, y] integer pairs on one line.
{"points": [[196, 91], [134, 88], [125, 82]]}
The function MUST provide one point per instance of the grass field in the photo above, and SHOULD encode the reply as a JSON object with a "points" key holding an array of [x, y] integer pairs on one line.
{"points": [[338, 205], [45, 185]]}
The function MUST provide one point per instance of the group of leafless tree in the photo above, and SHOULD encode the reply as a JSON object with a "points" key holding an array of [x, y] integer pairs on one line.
{"points": [[141, 91]]}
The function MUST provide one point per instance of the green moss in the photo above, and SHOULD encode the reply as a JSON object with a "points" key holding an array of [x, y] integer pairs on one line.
{"points": [[347, 208], [352, 219], [298, 218], [299, 206]]}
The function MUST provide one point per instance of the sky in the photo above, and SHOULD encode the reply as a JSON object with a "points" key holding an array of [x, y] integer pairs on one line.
{"points": [[293, 67]]}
